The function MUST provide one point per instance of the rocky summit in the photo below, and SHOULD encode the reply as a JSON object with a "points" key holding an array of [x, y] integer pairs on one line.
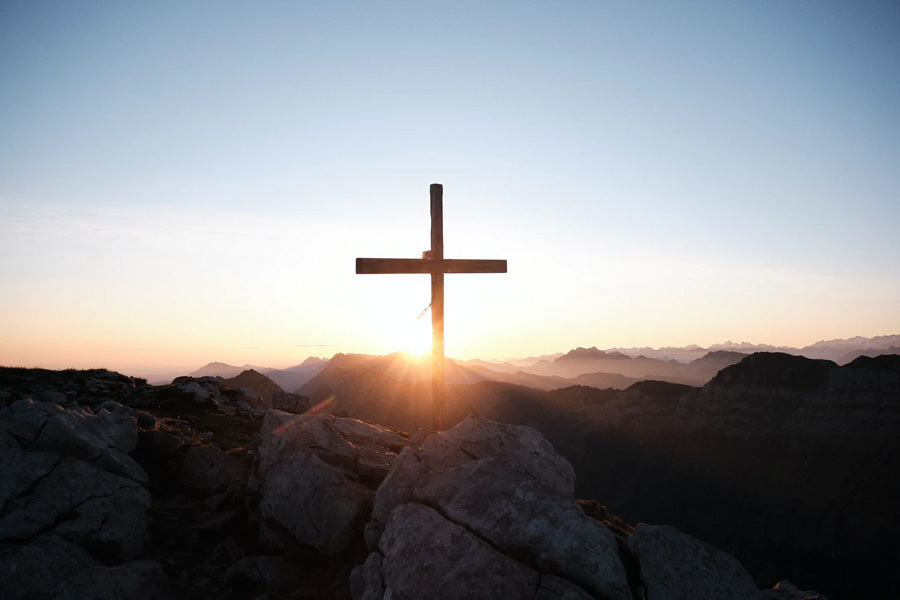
{"points": [[113, 488]]}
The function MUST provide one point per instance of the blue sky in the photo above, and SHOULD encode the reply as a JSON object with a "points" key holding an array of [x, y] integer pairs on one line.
{"points": [[185, 182]]}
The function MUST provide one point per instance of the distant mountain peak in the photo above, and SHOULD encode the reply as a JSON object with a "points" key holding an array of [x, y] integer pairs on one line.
{"points": [[217, 369], [313, 360], [256, 382], [251, 372], [586, 353]]}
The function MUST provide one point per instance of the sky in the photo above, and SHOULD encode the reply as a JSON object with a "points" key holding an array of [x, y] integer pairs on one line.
{"points": [[184, 182]]}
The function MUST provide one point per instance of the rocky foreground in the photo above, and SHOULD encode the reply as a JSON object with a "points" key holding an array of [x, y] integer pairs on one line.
{"points": [[115, 489]]}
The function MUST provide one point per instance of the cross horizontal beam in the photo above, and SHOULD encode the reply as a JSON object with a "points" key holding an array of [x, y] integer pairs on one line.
{"points": [[428, 265]]}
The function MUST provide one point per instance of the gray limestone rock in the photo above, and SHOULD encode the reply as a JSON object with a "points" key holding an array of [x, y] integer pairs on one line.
{"points": [[201, 394], [145, 420], [316, 475], [21, 470], [318, 503], [105, 438], [522, 517], [82, 503], [367, 579], [507, 486], [292, 403], [552, 587], [676, 566], [474, 439], [427, 556], [74, 429], [23, 420], [50, 567]]}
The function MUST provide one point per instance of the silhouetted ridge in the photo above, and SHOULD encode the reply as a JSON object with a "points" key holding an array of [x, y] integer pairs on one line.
{"points": [[720, 355], [74, 382], [313, 360], [887, 362], [218, 369], [257, 383], [660, 389], [776, 370]]}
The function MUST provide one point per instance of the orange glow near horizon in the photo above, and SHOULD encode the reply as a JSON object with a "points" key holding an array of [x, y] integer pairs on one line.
{"points": [[417, 338]]}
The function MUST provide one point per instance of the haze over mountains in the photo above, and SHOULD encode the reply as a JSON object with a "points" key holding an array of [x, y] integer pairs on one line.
{"points": [[613, 368], [288, 379], [840, 351]]}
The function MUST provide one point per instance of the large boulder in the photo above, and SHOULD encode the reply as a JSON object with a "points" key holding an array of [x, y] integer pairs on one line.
{"points": [[22, 421], [426, 552], [316, 476], [72, 496], [499, 493], [50, 567], [80, 501], [292, 403], [21, 470], [676, 566], [105, 438]]}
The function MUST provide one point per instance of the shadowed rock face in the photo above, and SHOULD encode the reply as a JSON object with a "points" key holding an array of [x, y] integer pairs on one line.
{"points": [[781, 460], [677, 566], [424, 552], [316, 476], [71, 495], [50, 567]]}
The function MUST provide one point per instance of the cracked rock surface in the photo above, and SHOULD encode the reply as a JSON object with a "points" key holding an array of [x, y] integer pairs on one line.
{"points": [[74, 513], [676, 565], [316, 476], [498, 492]]}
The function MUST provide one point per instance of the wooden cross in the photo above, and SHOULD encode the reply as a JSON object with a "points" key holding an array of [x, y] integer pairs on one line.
{"points": [[433, 262]]}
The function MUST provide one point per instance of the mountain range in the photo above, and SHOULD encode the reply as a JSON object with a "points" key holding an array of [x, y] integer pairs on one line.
{"points": [[841, 351], [289, 379], [612, 368]]}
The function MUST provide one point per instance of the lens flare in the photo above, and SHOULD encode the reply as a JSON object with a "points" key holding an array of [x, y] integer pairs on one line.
{"points": [[281, 429]]}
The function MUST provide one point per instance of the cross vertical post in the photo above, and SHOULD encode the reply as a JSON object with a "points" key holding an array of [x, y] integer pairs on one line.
{"points": [[433, 263], [437, 308]]}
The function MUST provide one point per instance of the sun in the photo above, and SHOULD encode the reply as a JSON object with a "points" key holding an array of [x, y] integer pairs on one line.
{"points": [[417, 337]]}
